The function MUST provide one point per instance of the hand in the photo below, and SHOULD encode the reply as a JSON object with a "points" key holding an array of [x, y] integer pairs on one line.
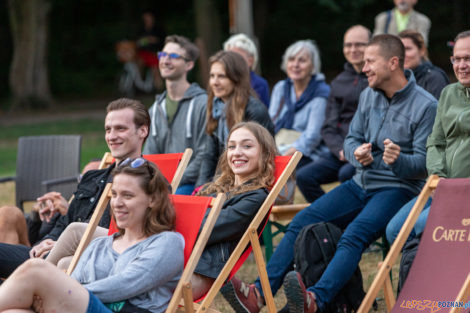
{"points": [[363, 154], [291, 151], [391, 152], [37, 304], [38, 251], [341, 155], [50, 203]]}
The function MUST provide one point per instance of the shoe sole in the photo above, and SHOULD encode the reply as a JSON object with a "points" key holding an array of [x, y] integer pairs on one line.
{"points": [[294, 294], [230, 295]]}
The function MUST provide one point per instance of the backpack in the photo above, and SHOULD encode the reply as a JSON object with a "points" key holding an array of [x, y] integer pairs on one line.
{"points": [[314, 248], [408, 255]]}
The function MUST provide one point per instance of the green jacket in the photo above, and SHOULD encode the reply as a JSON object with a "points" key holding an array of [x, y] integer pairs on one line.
{"points": [[448, 146]]}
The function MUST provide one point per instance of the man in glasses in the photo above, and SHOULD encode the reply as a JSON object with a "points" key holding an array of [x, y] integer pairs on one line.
{"points": [[179, 114], [448, 146], [342, 103], [127, 126]]}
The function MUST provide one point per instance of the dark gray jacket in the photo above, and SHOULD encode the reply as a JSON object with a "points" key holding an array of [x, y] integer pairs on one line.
{"points": [[431, 78], [187, 130], [235, 217]]}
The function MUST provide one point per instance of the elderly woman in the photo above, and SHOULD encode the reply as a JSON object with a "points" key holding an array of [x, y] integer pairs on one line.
{"points": [[430, 77], [243, 45], [298, 103]]}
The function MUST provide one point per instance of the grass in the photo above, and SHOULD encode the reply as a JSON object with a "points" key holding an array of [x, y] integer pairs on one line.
{"points": [[92, 131]]}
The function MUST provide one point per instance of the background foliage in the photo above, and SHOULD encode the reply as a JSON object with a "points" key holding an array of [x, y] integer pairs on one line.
{"points": [[82, 60]]}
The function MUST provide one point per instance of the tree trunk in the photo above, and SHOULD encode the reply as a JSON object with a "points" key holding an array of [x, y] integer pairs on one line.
{"points": [[208, 27], [29, 81]]}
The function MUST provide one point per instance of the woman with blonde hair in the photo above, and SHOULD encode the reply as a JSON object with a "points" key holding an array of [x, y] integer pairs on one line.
{"points": [[245, 172], [230, 101], [135, 270]]}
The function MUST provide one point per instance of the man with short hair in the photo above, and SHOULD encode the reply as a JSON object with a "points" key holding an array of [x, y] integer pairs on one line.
{"points": [[243, 45], [179, 114], [342, 103], [127, 126], [402, 17], [386, 144]]}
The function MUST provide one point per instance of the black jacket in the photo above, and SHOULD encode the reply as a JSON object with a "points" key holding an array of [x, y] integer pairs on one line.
{"points": [[85, 199], [341, 106], [255, 111], [431, 78], [235, 217]]}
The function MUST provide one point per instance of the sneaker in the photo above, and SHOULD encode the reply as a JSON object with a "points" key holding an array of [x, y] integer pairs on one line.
{"points": [[299, 300], [242, 297]]}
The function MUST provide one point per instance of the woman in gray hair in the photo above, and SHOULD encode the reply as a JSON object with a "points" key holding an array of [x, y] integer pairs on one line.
{"points": [[298, 102]]}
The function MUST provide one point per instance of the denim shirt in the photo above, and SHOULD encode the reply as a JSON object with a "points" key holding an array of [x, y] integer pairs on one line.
{"points": [[308, 120]]}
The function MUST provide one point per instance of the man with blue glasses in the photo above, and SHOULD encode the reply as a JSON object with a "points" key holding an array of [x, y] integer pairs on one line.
{"points": [[127, 126], [179, 114]]}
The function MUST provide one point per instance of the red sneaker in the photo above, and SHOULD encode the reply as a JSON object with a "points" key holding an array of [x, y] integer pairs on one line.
{"points": [[299, 300], [242, 297]]}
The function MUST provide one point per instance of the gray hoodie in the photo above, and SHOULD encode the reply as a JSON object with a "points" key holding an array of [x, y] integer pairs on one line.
{"points": [[186, 131]]}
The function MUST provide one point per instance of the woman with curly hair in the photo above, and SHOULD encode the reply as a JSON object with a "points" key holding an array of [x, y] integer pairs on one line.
{"points": [[134, 270], [244, 173]]}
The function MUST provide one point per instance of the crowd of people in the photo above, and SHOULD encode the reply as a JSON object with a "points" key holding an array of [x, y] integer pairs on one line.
{"points": [[385, 123]]}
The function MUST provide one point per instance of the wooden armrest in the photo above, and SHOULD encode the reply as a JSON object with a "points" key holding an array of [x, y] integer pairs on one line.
{"points": [[286, 211]]}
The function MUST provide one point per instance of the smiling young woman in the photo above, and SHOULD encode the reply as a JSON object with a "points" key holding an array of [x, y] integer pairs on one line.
{"points": [[135, 270], [245, 172]]}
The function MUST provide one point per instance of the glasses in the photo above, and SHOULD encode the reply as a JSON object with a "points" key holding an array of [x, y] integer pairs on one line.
{"points": [[172, 56], [354, 44], [135, 163], [459, 60]]}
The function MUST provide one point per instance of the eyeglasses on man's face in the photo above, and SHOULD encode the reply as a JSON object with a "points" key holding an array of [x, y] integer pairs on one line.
{"points": [[459, 60], [171, 56], [354, 44]]}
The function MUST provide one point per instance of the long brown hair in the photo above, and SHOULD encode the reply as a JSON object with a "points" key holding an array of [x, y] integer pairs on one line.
{"points": [[224, 180], [417, 40], [160, 216], [238, 72]]}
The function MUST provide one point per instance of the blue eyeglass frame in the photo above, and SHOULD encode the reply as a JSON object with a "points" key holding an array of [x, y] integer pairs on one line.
{"points": [[172, 56]]}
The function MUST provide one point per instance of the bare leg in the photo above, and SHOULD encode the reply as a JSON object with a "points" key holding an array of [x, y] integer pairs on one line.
{"points": [[68, 242], [201, 285], [36, 277], [13, 229]]}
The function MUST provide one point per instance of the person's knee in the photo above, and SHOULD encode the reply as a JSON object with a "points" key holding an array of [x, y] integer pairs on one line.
{"points": [[10, 215], [76, 229], [32, 267]]}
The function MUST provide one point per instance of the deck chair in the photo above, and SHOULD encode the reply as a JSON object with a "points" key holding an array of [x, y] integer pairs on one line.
{"points": [[190, 212], [43, 163], [441, 266], [172, 166], [284, 166]]}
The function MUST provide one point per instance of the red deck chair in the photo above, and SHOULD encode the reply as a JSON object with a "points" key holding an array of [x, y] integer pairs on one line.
{"points": [[172, 166], [285, 166], [441, 265]]}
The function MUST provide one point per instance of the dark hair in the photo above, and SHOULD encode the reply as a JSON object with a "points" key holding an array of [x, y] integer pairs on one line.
{"points": [[462, 35], [390, 46], [160, 216], [192, 51], [224, 179], [417, 40], [238, 72], [141, 114]]}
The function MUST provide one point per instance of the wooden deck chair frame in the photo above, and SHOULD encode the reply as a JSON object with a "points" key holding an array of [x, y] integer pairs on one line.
{"points": [[108, 160], [382, 279], [250, 236]]}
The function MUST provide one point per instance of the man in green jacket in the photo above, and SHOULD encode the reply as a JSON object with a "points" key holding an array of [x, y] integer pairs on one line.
{"points": [[448, 146]]}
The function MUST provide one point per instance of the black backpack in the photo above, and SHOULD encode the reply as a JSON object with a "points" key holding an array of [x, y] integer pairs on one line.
{"points": [[315, 246], [408, 255]]}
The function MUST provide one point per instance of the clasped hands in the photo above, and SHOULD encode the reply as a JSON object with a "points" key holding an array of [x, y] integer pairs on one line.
{"points": [[363, 153]]}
